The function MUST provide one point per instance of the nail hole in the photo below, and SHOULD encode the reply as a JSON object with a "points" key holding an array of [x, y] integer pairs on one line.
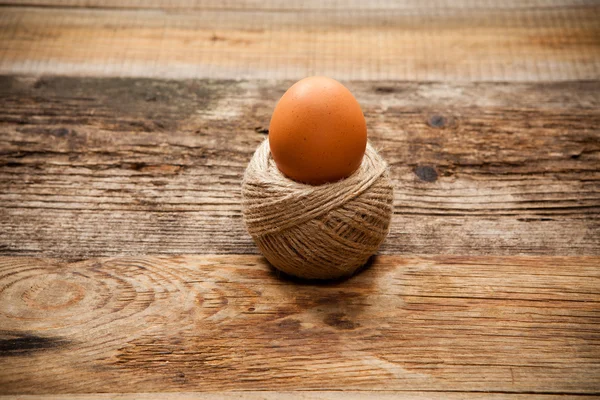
{"points": [[437, 121], [426, 173]]}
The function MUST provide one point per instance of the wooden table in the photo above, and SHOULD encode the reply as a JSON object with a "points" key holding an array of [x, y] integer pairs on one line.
{"points": [[124, 263]]}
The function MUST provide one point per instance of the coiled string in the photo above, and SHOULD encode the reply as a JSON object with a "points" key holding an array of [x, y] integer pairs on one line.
{"points": [[319, 232]]}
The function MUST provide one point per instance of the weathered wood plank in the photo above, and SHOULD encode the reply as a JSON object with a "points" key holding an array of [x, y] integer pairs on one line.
{"points": [[92, 167], [536, 41], [195, 323], [228, 322]]}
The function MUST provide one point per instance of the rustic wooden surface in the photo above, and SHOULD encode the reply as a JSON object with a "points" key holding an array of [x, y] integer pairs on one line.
{"points": [[97, 167], [499, 324], [125, 270], [297, 395], [441, 40]]}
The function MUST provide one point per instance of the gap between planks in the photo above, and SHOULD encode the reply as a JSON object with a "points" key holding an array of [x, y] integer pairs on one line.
{"points": [[303, 395], [319, 5]]}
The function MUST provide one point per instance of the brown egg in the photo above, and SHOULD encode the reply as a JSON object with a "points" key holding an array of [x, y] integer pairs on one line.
{"points": [[318, 132]]}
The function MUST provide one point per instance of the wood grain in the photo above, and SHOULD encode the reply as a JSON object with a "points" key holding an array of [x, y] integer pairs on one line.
{"points": [[194, 323], [300, 395], [97, 173], [279, 5], [94, 167], [466, 41]]}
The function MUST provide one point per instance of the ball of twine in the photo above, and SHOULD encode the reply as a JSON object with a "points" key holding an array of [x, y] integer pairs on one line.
{"points": [[317, 232]]}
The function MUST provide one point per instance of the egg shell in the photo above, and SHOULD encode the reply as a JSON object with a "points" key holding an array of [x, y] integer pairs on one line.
{"points": [[318, 132]]}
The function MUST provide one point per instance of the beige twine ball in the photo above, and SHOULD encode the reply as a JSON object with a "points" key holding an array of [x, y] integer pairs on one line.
{"points": [[317, 232]]}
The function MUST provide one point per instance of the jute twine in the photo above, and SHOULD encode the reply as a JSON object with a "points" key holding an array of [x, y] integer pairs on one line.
{"points": [[317, 232]]}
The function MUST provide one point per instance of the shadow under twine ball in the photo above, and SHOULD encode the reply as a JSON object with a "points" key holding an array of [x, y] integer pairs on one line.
{"points": [[317, 232]]}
